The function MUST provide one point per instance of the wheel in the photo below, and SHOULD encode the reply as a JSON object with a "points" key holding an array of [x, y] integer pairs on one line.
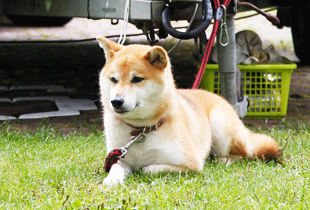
{"points": [[24, 20]]}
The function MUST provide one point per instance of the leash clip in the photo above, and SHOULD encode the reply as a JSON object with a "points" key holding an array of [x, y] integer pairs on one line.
{"points": [[134, 139], [223, 27]]}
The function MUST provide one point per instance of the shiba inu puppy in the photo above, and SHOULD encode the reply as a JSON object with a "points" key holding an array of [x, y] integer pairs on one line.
{"points": [[181, 127]]}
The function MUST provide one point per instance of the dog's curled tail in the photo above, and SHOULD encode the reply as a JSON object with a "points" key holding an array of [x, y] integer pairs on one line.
{"points": [[264, 147]]}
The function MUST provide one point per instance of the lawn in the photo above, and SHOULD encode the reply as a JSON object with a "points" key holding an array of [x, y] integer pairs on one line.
{"points": [[46, 169]]}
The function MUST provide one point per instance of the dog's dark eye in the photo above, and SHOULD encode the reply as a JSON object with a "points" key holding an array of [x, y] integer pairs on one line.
{"points": [[113, 80], [137, 79]]}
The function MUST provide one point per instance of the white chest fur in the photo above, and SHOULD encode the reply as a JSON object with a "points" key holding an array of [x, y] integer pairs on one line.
{"points": [[160, 147], [155, 150]]}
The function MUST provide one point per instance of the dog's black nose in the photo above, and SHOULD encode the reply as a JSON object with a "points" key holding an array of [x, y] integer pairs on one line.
{"points": [[117, 103]]}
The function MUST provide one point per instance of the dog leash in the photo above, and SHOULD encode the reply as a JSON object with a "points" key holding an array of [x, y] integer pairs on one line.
{"points": [[220, 9], [116, 154], [137, 136]]}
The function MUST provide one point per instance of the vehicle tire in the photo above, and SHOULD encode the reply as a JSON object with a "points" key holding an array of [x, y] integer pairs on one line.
{"points": [[300, 27], [24, 20]]}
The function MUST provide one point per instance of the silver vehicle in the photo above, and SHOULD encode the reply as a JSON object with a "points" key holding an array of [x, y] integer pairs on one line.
{"points": [[147, 15]]}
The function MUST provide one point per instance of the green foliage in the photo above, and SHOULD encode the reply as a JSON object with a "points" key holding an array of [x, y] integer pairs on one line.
{"points": [[46, 169]]}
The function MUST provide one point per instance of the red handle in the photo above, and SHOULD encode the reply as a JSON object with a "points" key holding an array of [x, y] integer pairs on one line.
{"points": [[273, 19]]}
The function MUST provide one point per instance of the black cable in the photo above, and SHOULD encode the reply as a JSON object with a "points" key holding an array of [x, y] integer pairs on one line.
{"points": [[207, 8], [88, 10], [61, 41]]}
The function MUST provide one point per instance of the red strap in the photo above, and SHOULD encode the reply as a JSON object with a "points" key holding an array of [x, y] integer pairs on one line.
{"points": [[209, 46], [206, 56], [111, 159]]}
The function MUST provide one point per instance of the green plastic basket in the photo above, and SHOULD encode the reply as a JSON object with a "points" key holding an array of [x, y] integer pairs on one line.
{"points": [[266, 85]]}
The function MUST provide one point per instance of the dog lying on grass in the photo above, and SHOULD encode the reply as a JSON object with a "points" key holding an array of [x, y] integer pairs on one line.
{"points": [[181, 127]]}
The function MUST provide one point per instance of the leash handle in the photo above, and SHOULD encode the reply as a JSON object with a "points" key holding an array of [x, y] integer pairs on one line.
{"points": [[111, 159]]}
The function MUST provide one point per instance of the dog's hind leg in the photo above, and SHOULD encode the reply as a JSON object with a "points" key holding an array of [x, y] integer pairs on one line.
{"points": [[254, 145], [232, 138]]}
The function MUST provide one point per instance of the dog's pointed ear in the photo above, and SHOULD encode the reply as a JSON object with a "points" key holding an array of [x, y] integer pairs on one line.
{"points": [[109, 47], [157, 57]]}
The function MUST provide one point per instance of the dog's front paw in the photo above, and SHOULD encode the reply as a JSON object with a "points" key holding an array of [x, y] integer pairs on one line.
{"points": [[110, 181], [116, 176]]}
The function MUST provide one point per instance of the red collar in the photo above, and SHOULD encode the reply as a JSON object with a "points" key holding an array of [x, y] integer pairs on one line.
{"points": [[146, 129]]}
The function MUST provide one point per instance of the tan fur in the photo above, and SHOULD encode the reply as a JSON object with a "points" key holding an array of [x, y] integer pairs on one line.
{"points": [[198, 123]]}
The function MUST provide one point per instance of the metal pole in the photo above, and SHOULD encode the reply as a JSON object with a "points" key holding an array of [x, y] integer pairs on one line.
{"points": [[227, 64]]}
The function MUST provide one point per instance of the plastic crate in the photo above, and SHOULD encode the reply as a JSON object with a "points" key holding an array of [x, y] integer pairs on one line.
{"points": [[266, 85]]}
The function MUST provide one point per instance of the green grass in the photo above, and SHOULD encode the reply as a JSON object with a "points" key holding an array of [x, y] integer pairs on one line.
{"points": [[45, 169]]}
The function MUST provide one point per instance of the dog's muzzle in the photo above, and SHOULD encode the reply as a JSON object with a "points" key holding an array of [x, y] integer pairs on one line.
{"points": [[117, 103]]}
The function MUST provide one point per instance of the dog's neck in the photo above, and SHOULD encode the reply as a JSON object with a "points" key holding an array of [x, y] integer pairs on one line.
{"points": [[144, 122], [145, 129]]}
